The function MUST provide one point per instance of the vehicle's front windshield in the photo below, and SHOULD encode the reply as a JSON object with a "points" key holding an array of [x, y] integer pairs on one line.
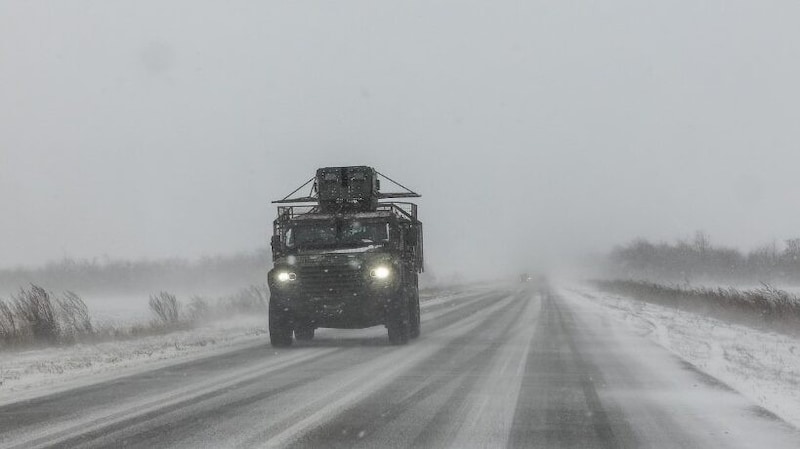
{"points": [[351, 233], [316, 235], [358, 232]]}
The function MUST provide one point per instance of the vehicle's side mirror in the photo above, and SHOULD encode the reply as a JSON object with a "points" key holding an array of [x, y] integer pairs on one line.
{"points": [[277, 245]]}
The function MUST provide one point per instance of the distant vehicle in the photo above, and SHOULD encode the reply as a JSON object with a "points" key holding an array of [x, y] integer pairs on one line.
{"points": [[349, 261], [525, 277]]}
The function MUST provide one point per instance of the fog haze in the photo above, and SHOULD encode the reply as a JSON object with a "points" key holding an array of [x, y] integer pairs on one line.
{"points": [[534, 130]]}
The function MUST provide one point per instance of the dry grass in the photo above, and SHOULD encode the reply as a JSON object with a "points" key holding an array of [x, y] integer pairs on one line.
{"points": [[765, 307], [166, 308], [74, 316], [36, 316]]}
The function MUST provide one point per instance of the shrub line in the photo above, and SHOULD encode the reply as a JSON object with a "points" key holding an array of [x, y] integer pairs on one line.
{"points": [[36, 316], [763, 307]]}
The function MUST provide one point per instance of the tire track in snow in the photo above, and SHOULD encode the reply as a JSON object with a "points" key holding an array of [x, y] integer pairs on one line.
{"points": [[463, 362]]}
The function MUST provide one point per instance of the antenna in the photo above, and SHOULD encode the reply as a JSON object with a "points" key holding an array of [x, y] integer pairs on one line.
{"points": [[311, 198], [407, 194]]}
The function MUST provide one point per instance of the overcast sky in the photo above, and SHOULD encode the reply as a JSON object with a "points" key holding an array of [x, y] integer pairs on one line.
{"points": [[532, 129]]}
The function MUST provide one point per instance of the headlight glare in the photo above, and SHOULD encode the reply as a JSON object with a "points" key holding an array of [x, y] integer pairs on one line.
{"points": [[380, 272], [285, 276]]}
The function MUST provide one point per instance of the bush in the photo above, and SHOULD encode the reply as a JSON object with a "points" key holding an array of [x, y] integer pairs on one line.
{"points": [[166, 308], [36, 315], [74, 316], [35, 307], [8, 323], [199, 310]]}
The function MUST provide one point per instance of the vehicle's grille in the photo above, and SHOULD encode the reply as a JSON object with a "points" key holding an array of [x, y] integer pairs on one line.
{"points": [[331, 280]]}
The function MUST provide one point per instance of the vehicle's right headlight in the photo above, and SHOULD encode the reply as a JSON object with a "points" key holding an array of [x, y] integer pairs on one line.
{"points": [[285, 276], [380, 272]]}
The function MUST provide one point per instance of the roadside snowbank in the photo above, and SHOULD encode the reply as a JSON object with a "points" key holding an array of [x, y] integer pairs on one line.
{"points": [[31, 373], [763, 366], [26, 374]]}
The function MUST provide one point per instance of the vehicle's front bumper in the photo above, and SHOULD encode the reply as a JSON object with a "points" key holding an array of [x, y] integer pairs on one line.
{"points": [[355, 311]]}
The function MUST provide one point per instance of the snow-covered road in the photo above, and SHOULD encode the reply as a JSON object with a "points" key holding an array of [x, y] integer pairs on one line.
{"points": [[494, 367]]}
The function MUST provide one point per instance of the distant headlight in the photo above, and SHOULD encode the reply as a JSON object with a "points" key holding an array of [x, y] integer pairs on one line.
{"points": [[380, 272], [285, 276]]}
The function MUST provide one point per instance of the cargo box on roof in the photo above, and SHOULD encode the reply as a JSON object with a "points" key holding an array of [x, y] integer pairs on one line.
{"points": [[347, 188]]}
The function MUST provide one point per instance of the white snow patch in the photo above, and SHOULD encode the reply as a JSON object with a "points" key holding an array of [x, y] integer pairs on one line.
{"points": [[31, 373], [763, 366]]}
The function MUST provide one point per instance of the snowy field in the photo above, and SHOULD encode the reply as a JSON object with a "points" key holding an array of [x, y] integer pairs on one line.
{"points": [[119, 309], [39, 371], [763, 366]]}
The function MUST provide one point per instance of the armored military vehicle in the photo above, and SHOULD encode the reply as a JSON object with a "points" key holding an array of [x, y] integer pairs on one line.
{"points": [[345, 256]]}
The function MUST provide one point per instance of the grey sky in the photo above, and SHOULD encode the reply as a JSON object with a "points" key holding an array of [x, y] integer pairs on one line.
{"points": [[151, 129]]}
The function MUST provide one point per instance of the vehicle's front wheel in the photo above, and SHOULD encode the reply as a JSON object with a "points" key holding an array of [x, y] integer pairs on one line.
{"points": [[304, 332], [398, 324], [280, 327]]}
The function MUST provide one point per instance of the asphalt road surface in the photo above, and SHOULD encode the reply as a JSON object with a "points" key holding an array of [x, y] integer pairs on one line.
{"points": [[496, 366]]}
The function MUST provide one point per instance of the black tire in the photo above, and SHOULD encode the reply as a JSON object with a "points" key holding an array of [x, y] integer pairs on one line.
{"points": [[414, 315], [304, 332], [280, 327], [398, 323]]}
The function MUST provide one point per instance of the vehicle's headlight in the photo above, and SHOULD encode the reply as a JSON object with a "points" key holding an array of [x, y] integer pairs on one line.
{"points": [[285, 276], [380, 272]]}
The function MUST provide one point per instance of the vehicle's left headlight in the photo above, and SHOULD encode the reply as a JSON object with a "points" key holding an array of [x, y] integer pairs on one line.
{"points": [[285, 276], [380, 272]]}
